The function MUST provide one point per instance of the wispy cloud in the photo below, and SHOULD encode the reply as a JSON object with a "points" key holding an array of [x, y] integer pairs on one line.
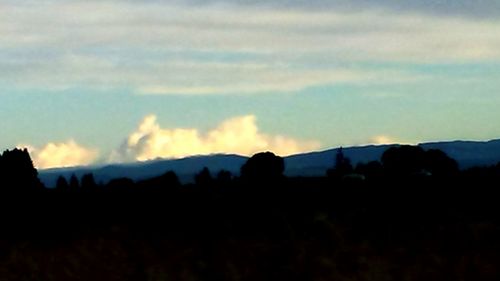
{"points": [[153, 47], [464, 8]]}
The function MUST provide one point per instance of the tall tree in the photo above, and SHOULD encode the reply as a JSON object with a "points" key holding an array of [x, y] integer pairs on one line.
{"points": [[203, 178], [62, 183], [342, 165], [88, 182], [74, 184], [17, 171]]}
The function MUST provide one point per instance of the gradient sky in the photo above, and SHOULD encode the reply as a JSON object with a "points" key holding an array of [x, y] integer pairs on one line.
{"points": [[86, 81]]}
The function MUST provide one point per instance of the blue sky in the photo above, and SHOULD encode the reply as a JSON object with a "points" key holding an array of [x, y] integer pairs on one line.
{"points": [[85, 82]]}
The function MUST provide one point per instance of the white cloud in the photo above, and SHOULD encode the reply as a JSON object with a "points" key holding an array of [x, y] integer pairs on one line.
{"points": [[238, 135], [155, 47], [64, 154]]}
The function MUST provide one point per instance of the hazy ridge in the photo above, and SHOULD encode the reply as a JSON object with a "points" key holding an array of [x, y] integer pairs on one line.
{"points": [[467, 154]]}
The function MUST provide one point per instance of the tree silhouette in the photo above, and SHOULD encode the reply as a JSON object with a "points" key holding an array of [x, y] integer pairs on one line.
{"points": [[413, 160], [17, 171], [62, 184], [342, 165], [203, 178], [404, 160], [371, 170], [74, 184], [440, 164], [88, 182], [169, 179], [264, 166]]}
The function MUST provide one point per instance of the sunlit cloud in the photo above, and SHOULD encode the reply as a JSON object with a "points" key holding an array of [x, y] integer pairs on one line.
{"points": [[382, 139], [238, 135], [63, 154], [385, 139]]}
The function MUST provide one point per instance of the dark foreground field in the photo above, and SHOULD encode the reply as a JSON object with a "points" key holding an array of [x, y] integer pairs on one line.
{"points": [[297, 230]]}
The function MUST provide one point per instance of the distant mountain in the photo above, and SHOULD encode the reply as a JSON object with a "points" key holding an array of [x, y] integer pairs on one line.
{"points": [[467, 154], [316, 163], [185, 168]]}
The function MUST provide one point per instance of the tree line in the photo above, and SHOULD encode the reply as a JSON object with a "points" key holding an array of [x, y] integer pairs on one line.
{"points": [[405, 162], [413, 215]]}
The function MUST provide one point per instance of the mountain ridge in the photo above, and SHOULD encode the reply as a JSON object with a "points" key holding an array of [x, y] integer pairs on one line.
{"points": [[315, 163]]}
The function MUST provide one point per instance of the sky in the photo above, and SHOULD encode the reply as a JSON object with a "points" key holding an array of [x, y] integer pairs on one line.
{"points": [[94, 82]]}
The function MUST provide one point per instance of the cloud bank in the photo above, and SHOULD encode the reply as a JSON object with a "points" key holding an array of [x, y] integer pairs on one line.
{"points": [[63, 154], [239, 135]]}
